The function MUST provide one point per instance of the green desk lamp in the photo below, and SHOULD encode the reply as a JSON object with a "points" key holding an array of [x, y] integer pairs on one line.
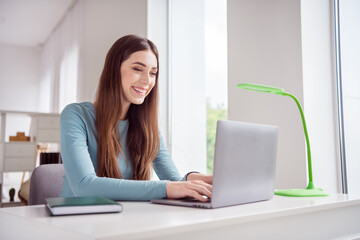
{"points": [[310, 191]]}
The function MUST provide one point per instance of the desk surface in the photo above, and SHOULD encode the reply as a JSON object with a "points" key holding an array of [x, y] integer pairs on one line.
{"points": [[144, 220]]}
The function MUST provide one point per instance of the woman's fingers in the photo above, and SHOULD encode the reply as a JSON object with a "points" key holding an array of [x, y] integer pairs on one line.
{"points": [[197, 196], [195, 188], [201, 187]]}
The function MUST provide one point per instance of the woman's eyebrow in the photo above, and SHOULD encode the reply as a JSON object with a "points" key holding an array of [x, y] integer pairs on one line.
{"points": [[142, 64]]}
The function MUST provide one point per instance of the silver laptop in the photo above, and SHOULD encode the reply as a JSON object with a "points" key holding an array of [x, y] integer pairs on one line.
{"points": [[244, 166]]}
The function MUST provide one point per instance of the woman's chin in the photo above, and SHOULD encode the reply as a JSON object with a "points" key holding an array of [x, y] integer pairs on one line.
{"points": [[138, 101]]}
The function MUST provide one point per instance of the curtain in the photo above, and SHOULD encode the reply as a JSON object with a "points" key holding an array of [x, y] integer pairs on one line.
{"points": [[60, 64]]}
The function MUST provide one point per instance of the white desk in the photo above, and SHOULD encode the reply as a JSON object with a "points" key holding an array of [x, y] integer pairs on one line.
{"points": [[334, 217]]}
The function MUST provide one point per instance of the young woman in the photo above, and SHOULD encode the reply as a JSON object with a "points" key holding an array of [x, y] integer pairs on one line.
{"points": [[109, 147]]}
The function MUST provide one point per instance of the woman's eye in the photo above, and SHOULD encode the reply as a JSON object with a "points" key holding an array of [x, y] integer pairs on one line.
{"points": [[137, 69], [153, 73]]}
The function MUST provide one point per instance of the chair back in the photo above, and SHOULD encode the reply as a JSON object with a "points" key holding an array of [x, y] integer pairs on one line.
{"points": [[46, 181]]}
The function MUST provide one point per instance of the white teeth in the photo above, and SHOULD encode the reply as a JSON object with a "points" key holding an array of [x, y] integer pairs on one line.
{"points": [[140, 90]]}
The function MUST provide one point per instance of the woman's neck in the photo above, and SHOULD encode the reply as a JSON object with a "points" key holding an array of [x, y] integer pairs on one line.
{"points": [[125, 109]]}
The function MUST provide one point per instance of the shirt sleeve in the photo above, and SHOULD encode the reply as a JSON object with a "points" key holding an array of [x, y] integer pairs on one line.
{"points": [[80, 171], [164, 165]]}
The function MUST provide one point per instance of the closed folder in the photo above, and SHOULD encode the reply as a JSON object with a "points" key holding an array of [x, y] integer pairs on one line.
{"points": [[81, 205]]}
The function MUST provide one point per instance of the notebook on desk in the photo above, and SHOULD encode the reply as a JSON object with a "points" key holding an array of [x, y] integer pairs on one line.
{"points": [[244, 166]]}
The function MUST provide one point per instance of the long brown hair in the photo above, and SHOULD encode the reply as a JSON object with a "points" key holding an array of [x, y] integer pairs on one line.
{"points": [[143, 132]]}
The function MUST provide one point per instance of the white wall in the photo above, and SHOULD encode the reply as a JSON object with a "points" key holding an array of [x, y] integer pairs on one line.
{"points": [[19, 76], [264, 47], [105, 22], [320, 104]]}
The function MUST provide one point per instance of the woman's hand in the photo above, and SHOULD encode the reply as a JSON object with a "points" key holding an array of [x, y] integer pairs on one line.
{"points": [[207, 178], [191, 188]]}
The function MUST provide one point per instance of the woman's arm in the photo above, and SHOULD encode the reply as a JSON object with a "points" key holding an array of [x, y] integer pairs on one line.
{"points": [[192, 185], [207, 178], [75, 132], [164, 165]]}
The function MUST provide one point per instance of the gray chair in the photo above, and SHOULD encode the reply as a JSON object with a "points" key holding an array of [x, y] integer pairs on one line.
{"points": [[46, 181]]}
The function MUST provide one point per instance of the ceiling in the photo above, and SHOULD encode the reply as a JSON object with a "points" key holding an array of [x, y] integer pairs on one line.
{"points": [[30, 22]]}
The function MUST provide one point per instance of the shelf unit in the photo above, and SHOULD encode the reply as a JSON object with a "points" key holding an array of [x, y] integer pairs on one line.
{"points": [[21, 156]]}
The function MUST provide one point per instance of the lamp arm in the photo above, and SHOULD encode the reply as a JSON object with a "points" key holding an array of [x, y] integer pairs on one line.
{"points": [[310, 186]]}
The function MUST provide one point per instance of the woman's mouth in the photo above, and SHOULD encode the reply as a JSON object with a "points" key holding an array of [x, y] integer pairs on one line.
{"points": [[140, 91]]}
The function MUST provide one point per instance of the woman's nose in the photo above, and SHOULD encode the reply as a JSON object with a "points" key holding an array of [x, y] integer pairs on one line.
{"points": [[146, 78]]}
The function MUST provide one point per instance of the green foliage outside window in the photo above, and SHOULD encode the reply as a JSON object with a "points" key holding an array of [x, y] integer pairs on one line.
{"points": [[213, 115]]}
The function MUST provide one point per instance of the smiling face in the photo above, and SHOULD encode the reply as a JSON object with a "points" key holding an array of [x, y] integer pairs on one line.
{"points": [[138, 77]]}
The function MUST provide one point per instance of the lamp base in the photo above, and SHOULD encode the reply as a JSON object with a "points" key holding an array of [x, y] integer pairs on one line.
{"points": [[316, 192]]}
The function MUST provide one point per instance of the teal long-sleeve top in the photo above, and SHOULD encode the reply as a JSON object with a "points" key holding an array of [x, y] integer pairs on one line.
{"points": [[78, 144]]}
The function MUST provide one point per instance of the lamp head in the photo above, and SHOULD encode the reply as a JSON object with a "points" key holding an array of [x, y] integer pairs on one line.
{"points": [[261, 88]]}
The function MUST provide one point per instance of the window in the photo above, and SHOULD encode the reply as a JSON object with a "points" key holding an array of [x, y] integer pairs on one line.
{"points": [[215, 71], [198, 80], [348, 75]]}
